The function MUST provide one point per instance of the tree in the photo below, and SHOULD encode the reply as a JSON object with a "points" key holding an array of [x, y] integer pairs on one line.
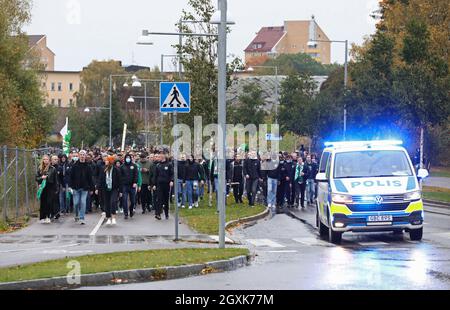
{"points": [[199, 55], [300, 63], [249, 110], [296, 108], [25, 121], [94, 92]]}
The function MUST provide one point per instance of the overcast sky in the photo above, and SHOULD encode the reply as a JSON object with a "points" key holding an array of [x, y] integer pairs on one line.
{"points": [[79, 31]]}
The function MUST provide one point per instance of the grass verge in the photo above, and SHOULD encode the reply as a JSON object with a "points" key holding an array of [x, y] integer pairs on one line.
{"points": [[436, 193], [118, 261], [205, 219], [440, 172]]}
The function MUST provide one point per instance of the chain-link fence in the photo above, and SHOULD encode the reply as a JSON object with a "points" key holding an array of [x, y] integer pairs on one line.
{"points": [[18, 187]]}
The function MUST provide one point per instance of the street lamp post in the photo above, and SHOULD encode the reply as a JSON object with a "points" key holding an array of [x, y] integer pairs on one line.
{"points": [[222, 59], [222, 116], [111, 76], [276, 87], [345, 75]]}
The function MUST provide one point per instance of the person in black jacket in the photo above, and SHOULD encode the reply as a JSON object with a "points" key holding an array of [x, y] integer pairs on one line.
{"points": [[109, 184], [272, 173], [164, 181], [55, 209], [310, 170], [237, 178], [290, 186], [81, 184], [63, 167], [180, 183], [47, 172], [252, 172], [192, 177], [129, 174]]}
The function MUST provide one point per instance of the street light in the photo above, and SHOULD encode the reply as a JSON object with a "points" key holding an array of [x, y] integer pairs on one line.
{"points": [[134, 78], [251, 69], [345, 73], [222, 67]]}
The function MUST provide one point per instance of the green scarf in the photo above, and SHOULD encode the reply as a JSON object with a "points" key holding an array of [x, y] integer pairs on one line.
{"points": [[41, 189]]}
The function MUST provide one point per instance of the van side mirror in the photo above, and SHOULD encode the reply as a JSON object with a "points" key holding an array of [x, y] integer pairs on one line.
{"points": [[422, 174], [321, 177]]}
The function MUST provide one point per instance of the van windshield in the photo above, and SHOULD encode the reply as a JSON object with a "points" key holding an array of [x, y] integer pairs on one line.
{"points": [[362, 164]]}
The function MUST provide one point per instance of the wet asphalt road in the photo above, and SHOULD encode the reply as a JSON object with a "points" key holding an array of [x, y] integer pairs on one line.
{"points": [[290, 255]]}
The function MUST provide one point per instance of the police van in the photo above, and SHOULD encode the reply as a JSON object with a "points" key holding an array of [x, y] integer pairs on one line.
{"points": [[368, 186]]}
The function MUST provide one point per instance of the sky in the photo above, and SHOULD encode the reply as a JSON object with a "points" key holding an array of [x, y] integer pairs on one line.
{"points": [[79, 31]]}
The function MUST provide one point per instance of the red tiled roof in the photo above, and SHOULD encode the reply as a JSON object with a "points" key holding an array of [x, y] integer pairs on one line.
{"points": [[268, 37], [34, 39]]}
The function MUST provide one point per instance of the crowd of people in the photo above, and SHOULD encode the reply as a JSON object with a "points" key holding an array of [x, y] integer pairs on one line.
{"points": [[116, 182]]}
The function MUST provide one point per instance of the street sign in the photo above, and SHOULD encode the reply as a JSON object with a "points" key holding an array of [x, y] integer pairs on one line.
{"points": [[174, 97], [271, 137]]}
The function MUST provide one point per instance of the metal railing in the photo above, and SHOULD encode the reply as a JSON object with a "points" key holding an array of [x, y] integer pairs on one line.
{"points": [[18, 187]]}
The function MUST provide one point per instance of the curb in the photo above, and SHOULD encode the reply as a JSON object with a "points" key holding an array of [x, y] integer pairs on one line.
{"points": [[441, 204], [130, 276], [252, 218]]}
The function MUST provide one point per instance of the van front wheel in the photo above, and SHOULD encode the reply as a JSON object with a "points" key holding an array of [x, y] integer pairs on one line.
{"points": [[416, 234]]}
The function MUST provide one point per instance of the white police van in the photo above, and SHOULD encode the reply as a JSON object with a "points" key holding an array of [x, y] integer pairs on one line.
{"points": [[368, 186]]}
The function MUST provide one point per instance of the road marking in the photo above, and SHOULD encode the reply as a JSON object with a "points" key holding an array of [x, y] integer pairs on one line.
{"points": [[375, 243], [216, 238], [282, 251], [41, 248], [97, 227], [265, 242], [312, 241], [66, 252]]}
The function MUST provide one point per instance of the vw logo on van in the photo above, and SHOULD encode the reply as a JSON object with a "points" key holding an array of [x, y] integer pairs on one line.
{"points": [[378, 200]]}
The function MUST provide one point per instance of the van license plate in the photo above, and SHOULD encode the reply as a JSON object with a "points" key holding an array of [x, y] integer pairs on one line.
{"points": [[379, 218]]}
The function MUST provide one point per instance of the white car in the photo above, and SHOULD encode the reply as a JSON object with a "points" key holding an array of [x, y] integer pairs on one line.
{"points": [[368, 186]]}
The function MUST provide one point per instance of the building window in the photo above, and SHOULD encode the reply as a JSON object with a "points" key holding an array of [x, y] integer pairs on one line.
{"points": [[71, 102], [71, 86], [59, 86], [53, 101], [59, 103], [53, 86]]}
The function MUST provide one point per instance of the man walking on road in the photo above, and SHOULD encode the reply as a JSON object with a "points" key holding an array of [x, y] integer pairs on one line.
{"points": [[310, 171], [164, 181], [252, 172], [81, 184], [129, 173]]}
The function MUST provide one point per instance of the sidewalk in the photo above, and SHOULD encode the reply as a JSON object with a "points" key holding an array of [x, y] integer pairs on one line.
{"points": [[39, 242], [437, 182]]}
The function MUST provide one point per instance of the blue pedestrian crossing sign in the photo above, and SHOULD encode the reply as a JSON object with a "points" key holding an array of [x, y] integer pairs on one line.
{"points": [[174, 97]]}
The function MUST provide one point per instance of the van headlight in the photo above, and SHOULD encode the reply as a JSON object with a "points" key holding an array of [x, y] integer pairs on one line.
{"points": [[341, 198], [412, 196]]}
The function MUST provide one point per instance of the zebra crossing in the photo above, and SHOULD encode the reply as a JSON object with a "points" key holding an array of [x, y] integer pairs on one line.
{"points": [[284, 244]]}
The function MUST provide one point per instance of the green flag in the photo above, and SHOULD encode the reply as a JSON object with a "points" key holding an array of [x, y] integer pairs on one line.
{"points": [[66, 134]]}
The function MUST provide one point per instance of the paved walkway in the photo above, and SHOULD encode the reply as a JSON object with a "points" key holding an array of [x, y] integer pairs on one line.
{"points": [[437, 182], [63, 238]]}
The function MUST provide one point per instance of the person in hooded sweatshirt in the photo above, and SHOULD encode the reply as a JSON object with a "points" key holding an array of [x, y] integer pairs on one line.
{"points": [[252, 173], [193, 177], [81, 184], [109, 184], [63, 167], [237, 178], [146, 195], [129, 174], [163, 179]]}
